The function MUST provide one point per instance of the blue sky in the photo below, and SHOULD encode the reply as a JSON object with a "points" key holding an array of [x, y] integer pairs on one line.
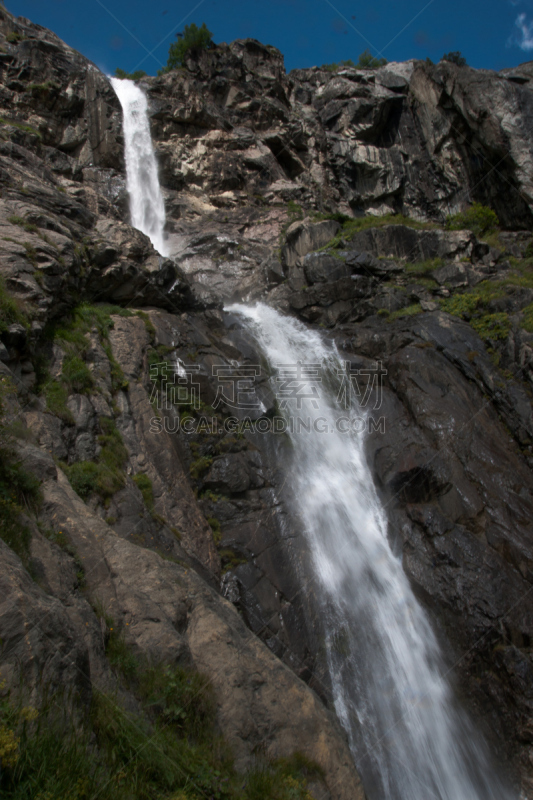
{"points": [[120, 33]]}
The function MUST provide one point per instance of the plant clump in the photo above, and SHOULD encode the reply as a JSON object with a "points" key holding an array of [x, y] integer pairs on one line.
{"points": [[479, 219], [192, 38], [19, 489]]}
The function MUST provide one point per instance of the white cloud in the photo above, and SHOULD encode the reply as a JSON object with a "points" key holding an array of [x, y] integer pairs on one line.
{"points": [[525, 41]]}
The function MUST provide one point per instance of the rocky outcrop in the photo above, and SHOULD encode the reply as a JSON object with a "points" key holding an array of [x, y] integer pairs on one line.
{"points": [[274, 188]]}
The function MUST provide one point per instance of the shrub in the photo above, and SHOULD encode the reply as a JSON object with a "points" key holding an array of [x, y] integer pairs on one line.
{"points": [[130, 76], [105, 477], [455, 57], [19, 489], [368, 61], [214, 524], [408, 311], [478, 218], [492, 326], [527, 318], [200, 466], [14, 37], [192, 37], [10, 309], [119, 654], [77, 375], [181, 697], [340, 65], [144, 484], [112, 754]]}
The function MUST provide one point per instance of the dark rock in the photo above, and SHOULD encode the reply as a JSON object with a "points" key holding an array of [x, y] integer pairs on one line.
{"points": [[228, 474], [321, 267]]}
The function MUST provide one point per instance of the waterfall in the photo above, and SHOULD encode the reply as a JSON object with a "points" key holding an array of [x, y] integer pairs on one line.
{"points": [[147, 207], [409, 739]]}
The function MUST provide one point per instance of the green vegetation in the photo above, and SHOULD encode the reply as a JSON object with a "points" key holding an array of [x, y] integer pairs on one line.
{"points": [[200, 466], [214, 524], [472, 306], [144, 484], [230, 559], [14, 37], [160, 368], [169, 750], [336, 67], [29, 227], [76, 376], [21, 126], [185, 699], [130, 76], [477, 305], [455, 57], [56, 396], [37, 89], [11, 310], [408, 311], [424, 267], [148, 324], [479, 219], [19, 489], [106, 476], [366, 61], [527, 319], [192, 38], [350, 226]]}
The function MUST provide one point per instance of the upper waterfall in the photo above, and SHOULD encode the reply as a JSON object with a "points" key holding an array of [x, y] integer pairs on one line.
{"points": [[147, 207], [409, 738]]}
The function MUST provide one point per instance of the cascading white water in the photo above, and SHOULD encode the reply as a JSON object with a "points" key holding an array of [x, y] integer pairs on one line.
{"points": [[147, 207], [409, 740]]}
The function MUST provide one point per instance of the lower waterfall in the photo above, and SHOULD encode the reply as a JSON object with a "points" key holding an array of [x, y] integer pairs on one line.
{"points": [[147, 207], [409, 739]]}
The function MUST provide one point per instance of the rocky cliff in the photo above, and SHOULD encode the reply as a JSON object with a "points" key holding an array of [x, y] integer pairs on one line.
{"points": [[129, 547]]}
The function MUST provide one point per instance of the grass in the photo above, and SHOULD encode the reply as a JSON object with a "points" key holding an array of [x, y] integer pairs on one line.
{"points": [[408, 311], [11, 310], [118, 755], [76, 375], [200, 466], [350, 227], [479, 219], [424, 267], [170, 749], [214, 524], [42, 88], [230, 559], [56, 396], [144, 484], [71, 334], [29, 227], [527, 318], [20, 126], [492, 326], [473, 306], [19, 489], [181, 697], [106, 476], [14, 37]]}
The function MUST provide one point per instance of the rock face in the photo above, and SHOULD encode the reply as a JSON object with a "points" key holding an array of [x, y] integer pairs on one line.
{"points": [[275, 186]]}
